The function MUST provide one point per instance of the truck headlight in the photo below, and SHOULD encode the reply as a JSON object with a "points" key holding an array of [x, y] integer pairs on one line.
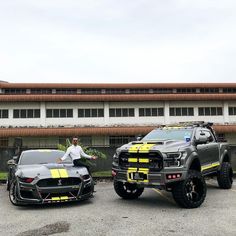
{"points": [[173, 159]]}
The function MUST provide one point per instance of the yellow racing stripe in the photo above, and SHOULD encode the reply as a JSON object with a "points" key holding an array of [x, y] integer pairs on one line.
{"points": [[63, 173], [134, 148], [145, 148], [209, 166], [59, 173], [55, 174]]}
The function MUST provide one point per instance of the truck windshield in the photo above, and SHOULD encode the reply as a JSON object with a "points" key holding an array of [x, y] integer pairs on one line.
{"points": [[165, 134]]}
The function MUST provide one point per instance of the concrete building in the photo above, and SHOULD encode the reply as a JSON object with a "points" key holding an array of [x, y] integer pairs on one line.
{"points": [[44, 115]]}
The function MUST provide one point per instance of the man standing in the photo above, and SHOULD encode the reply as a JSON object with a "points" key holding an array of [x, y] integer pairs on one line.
{"points": [[75, 152]]}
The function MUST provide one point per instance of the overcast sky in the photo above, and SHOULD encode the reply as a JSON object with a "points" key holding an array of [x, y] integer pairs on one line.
{"points": [[100, 41]]}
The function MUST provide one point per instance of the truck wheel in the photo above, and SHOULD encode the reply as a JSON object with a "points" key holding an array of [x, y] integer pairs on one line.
{"points": [[13, 194], [191, 192], [225, 176], [127, 190]]}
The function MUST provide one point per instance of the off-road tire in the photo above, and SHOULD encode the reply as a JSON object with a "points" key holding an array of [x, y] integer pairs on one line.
{"points": [[225, 176], [191, 192], [127, 190]]}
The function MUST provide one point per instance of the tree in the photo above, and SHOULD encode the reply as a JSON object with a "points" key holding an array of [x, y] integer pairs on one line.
{"points": [[87, 150]]}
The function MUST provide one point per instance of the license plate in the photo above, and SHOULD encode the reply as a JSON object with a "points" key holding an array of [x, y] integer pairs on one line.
{"points": [[137, 176]]}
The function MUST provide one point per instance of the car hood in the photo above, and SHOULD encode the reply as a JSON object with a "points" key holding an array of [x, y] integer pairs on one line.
{"points": [[52, 170], [161, 145]]}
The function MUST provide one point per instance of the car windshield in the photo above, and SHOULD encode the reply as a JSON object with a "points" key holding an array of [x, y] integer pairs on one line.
{"points": [[169, 133], [41, 157]]}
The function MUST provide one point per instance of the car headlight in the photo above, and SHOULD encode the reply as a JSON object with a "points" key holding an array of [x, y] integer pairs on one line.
{"points": [[26, 180]]}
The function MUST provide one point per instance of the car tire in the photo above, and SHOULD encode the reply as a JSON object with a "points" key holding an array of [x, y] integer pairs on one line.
{"points": [[8, 181], [13, 194], [127, 190], [191, 192], [225, 176]]}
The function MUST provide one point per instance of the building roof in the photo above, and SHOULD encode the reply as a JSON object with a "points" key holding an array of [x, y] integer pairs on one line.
{"points": [[117, 85], [116, 97], [92, 131]]}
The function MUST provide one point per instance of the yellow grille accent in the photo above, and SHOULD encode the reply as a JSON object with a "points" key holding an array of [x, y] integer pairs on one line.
{"points": [[55, 198], [140, 170], [133, 160], [144, 160]]}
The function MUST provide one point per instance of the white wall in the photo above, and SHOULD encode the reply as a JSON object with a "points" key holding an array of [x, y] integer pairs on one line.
{"points": [[111, 121]]}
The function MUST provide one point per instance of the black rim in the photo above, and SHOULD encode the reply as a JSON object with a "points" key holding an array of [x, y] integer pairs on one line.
{"points": [[194, 189], [130, 188]]}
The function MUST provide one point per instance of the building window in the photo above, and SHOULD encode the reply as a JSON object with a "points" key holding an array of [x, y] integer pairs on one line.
{"points": [[186, 90], [116, 141], [26, 113], [229, 90], [3, 114], [210, 111], [139, 91], [41, 91], [4, 142], [91, 91], [151, 111], [232, 111], [181, 111], [209, 90], [121, 112], [115, 91], [66, 91], [93, 112], [59, 113], [14, 91]]}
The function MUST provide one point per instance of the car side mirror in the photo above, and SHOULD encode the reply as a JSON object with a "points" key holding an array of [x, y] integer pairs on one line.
{"points": [[11, 162]]}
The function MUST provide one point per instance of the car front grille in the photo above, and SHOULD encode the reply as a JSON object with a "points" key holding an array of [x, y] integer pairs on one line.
{"points": [[59, 182], [152, 160]]}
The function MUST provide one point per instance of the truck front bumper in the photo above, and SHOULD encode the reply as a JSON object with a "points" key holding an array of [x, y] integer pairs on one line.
{"points": [[145, 178]]}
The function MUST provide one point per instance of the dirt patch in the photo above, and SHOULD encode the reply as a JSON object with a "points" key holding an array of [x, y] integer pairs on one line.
{"points": [[56, 228]]}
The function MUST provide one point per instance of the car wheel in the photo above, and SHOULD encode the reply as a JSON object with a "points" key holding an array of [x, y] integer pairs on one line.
{"points": [[13, 193], [127, 190], [225, 176], [191, 192]]}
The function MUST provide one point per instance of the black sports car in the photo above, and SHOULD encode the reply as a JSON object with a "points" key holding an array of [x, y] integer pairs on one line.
{"points": [[37, 178]]}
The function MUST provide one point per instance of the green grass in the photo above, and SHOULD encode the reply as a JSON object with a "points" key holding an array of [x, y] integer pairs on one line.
{"points": [[106, 173], [3, 175]]}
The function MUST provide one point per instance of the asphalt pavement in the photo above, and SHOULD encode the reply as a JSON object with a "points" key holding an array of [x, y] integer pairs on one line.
{"points": [[154, 213]]}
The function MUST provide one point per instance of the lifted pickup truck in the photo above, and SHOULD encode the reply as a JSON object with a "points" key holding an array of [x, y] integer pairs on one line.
{"points": [[173, 158]]}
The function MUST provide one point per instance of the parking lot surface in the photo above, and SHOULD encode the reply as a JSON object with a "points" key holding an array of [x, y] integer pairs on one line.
{"points": [[154, 213]]}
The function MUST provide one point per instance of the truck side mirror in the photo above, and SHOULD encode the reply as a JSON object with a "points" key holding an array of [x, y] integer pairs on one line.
{"points": [[202, 139], [138, 138]]}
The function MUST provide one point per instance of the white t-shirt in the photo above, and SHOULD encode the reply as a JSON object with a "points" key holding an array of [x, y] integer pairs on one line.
{"points": [[75, 152]]}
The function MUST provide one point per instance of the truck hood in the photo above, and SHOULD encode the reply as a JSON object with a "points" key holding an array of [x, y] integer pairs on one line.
{"points": [[49, 170], [161, 145]]}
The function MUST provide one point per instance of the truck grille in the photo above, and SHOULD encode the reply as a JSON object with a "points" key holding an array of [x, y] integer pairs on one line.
{"points": [[59, 182], [152, 160]]}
